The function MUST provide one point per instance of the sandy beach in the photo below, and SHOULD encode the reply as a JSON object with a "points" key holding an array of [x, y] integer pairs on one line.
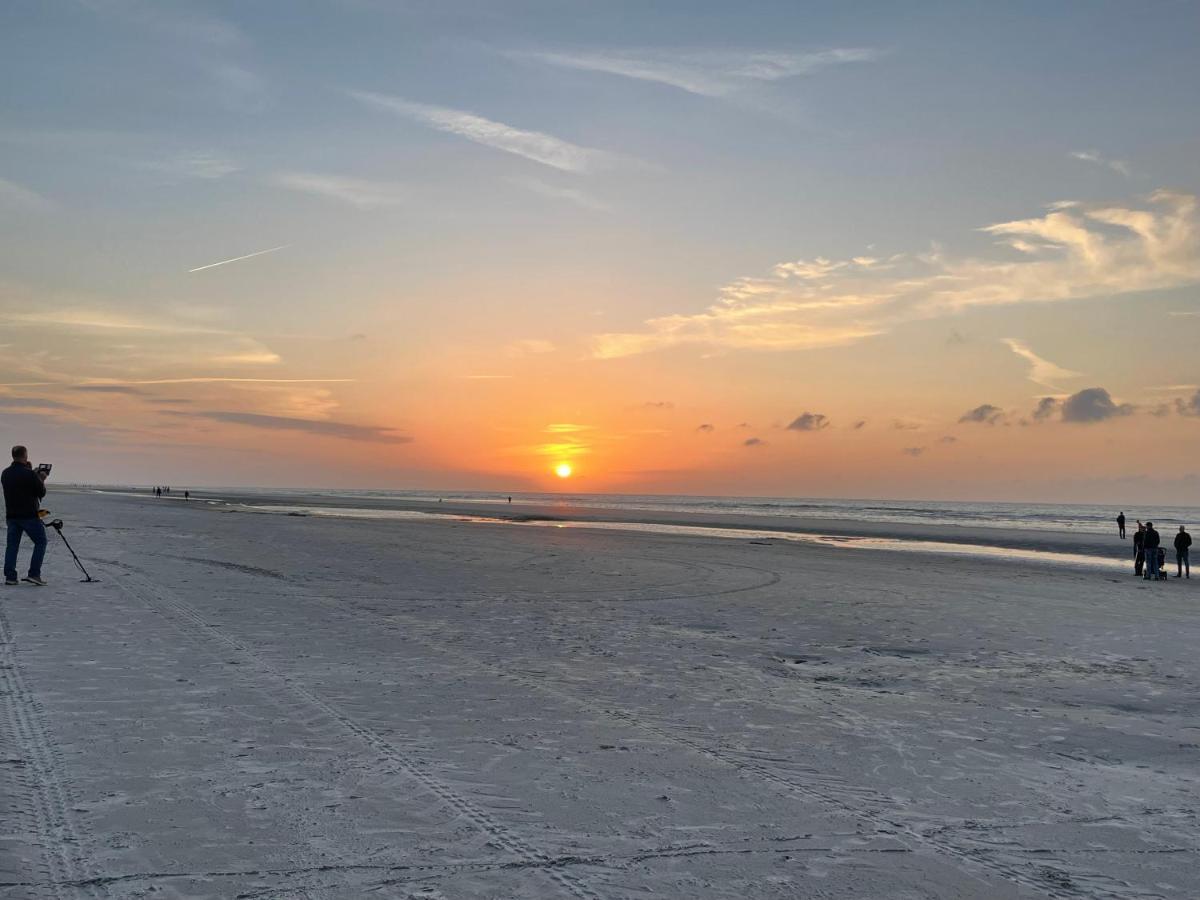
{"points": [[257, 705]]}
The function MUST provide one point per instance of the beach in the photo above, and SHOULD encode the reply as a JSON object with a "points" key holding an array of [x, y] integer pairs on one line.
{"points": [[280, 703]]}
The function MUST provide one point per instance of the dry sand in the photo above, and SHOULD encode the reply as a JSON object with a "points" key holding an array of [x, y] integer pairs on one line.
{"points": [[263, 706]]}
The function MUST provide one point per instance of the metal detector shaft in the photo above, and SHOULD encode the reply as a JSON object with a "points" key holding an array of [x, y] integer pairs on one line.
{"points": [[57, 525]]}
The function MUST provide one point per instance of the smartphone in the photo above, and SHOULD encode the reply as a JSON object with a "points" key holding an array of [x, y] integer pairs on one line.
{"points": [[44, 468]]}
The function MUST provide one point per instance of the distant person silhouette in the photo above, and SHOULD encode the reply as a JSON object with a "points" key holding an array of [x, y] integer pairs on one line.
{"points": [[158, 492], [1139, 548], [1150, 545], [187, 495], [1121, 525], [1183, 541]]}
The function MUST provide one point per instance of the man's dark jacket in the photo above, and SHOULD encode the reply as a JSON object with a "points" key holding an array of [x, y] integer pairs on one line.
{"points": [[1152, 539], [1183, 540], [23, 491]]}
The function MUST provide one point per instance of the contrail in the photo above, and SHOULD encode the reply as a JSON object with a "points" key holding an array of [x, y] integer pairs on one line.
{"points": [[225, 262]]}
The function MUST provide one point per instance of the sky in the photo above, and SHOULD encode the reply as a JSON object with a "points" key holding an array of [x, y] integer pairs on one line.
{"points": [[925, 250]]}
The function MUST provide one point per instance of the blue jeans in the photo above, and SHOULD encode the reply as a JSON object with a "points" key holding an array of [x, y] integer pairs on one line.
{"points": [[1181, 560], [37, 533], [1152, 563]]}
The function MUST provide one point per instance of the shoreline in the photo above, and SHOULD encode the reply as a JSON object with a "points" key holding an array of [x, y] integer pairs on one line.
{"points": [[1108, 550]]}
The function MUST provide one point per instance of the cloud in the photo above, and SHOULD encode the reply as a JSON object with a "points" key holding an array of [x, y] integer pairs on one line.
{"points": [[108, 389], [173, 20], [1190, 406], [320, 428], [859, 425], [986, 414], [558, 192], [1092, 156], [1092, 405], [706, 73], [1041, 371], [808, 421], [913, 451], [1076, 252], [22, 199], [948, 439], [706, 427], [33, 403], [529, 347], [203, 166], [357, 192], [754, 442], [534, 145], [1046, 407], [659, 404]]}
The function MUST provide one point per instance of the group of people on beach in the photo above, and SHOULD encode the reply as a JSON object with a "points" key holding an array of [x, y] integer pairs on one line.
{"points": [[159, 491], [1149, 556]]}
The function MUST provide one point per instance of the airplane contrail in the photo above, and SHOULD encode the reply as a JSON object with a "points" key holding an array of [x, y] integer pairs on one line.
{"points": [[237, 259]]}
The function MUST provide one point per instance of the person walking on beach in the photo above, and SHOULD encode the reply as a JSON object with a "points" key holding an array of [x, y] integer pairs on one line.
{"points": [[1150, 545], [1139, 548], [23, 493], [1121, 525], [1183, 541]]}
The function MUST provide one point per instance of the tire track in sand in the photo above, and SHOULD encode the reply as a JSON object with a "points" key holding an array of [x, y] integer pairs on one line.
{"points": [[819, 792], [59, 836], [1015, 873], [174, 608]]}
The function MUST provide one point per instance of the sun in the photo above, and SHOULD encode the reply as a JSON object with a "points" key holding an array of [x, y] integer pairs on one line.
{"points": [[563, 470]]}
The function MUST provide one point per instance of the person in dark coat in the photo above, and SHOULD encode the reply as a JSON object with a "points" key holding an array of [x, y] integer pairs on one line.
{"points": [[1150, 545], [1139, 548], [1183, 541], [1121, 525], [24, 489]]}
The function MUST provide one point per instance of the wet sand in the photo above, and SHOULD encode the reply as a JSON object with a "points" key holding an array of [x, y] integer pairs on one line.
{"points": [[262, 705]]}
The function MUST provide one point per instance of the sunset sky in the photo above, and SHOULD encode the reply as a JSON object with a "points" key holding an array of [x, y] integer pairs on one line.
{"points": [[936, 250]]}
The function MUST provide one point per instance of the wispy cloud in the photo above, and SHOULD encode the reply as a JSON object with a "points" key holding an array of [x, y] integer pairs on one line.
{"points": [[1079, 252], [199, 165], [529, 347], [534, 145], [225, 262], [33, 403], [357, 192], [560, 192], [320, 428], [172, 20], [1095, 158], [704, 72], [22, 199], [1041, 371]]}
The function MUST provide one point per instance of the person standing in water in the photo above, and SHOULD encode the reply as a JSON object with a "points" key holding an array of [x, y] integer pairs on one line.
{"points": [[1183, 541], [1121, 524]]}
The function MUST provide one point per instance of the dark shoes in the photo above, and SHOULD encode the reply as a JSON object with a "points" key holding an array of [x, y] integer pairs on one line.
{"points": [[11, 582], [34, 579]]}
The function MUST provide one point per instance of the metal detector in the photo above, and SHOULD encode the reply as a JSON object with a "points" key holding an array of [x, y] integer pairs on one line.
{"points": [[57, 525]]}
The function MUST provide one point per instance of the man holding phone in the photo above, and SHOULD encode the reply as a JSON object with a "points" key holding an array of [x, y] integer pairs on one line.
{"points": [[23, 491]]}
